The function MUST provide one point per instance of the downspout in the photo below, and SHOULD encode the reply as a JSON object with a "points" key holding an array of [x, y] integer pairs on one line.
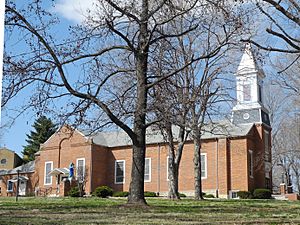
{"points": [[217, 162], [91, 164], [158, 169]]}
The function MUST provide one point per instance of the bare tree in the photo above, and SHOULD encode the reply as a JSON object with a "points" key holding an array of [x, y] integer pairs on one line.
{"points": [[103, 65], [284, 19], [287, 154], [181, 102]]}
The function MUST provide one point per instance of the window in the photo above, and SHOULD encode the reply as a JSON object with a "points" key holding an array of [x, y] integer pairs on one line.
{"points": [[120, 171], [3, 161], [250, 163], [268, 183], [48, 168], [80, 169], [247, 92], [10, 186], [233, 194], [147, 177], [266, 146], [259, 93], [203, 166]]}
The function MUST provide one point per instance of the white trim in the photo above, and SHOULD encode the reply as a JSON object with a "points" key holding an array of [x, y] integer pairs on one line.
{"points": [[77, 167], [205, 159], [251, 169], [233, 191], [45, 175], [123, 171], [146, 181]]}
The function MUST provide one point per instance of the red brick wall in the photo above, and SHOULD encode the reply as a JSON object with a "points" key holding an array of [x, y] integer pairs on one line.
{"points": [[32, 183], [158, 155], [223, 167], [99, 166], [62, 149], [227, 163], [238, 164]]}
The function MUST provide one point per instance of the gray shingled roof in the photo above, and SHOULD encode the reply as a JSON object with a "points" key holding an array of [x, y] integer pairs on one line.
{"points": [[220, 130], [2, 172], [26, 168]]}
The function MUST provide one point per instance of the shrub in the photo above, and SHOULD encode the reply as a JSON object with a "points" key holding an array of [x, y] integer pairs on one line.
{"points": [[203, 194], [120, 194], [150, 194], [244, 195], [209, 196], [181, 195], [262, 194], [103, 191], [74, 192]]}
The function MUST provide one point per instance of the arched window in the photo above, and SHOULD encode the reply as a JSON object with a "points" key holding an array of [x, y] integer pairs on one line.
{"points": [[3, 161]]}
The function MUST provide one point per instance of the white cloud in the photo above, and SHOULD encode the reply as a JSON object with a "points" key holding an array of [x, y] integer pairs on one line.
{"points": [[73, 10]]}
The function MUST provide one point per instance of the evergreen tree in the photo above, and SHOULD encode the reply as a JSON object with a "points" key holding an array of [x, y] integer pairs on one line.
{"points": [[43, 129]]}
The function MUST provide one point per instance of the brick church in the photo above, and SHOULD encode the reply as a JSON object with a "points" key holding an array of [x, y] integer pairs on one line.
{"points": [[235, 158]]}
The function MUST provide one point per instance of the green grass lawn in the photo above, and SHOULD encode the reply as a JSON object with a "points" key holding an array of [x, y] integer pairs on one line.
{"points": [[160, 211]]}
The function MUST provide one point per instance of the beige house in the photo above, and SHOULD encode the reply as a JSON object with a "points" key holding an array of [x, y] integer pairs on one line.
{"points": [[9, 159]]}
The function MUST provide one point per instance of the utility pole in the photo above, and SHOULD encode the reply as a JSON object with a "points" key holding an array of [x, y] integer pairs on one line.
{"points": [[18, 183]]}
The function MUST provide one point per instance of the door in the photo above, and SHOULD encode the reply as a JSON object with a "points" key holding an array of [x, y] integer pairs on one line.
{"points": [[22, 188]]}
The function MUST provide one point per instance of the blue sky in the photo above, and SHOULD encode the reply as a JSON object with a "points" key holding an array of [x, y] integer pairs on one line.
{"points": [[13, 137], [70, 12]]}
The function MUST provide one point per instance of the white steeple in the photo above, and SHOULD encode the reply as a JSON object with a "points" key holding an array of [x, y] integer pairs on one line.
{"points": [[249, 82], [249, 91]]}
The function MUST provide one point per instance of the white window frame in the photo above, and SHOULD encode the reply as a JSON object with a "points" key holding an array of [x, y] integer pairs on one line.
{"points": [[247, 84], [124, 163], [45, 175], [12, 186], [205, 160], [251, 164], [231, 192], [149, 180], [83, 159]]}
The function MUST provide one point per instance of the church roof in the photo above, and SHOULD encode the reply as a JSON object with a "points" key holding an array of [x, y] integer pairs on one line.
{"points": [[26, 168], [154, 136]]}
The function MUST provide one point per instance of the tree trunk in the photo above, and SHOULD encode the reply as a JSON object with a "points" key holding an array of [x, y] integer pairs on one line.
{"points": [[173, 166], [173, 177], [136, 189], [197, 167]]}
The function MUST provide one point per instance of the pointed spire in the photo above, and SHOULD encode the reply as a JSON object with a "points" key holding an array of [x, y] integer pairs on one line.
{"points": [[248, 63]]}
